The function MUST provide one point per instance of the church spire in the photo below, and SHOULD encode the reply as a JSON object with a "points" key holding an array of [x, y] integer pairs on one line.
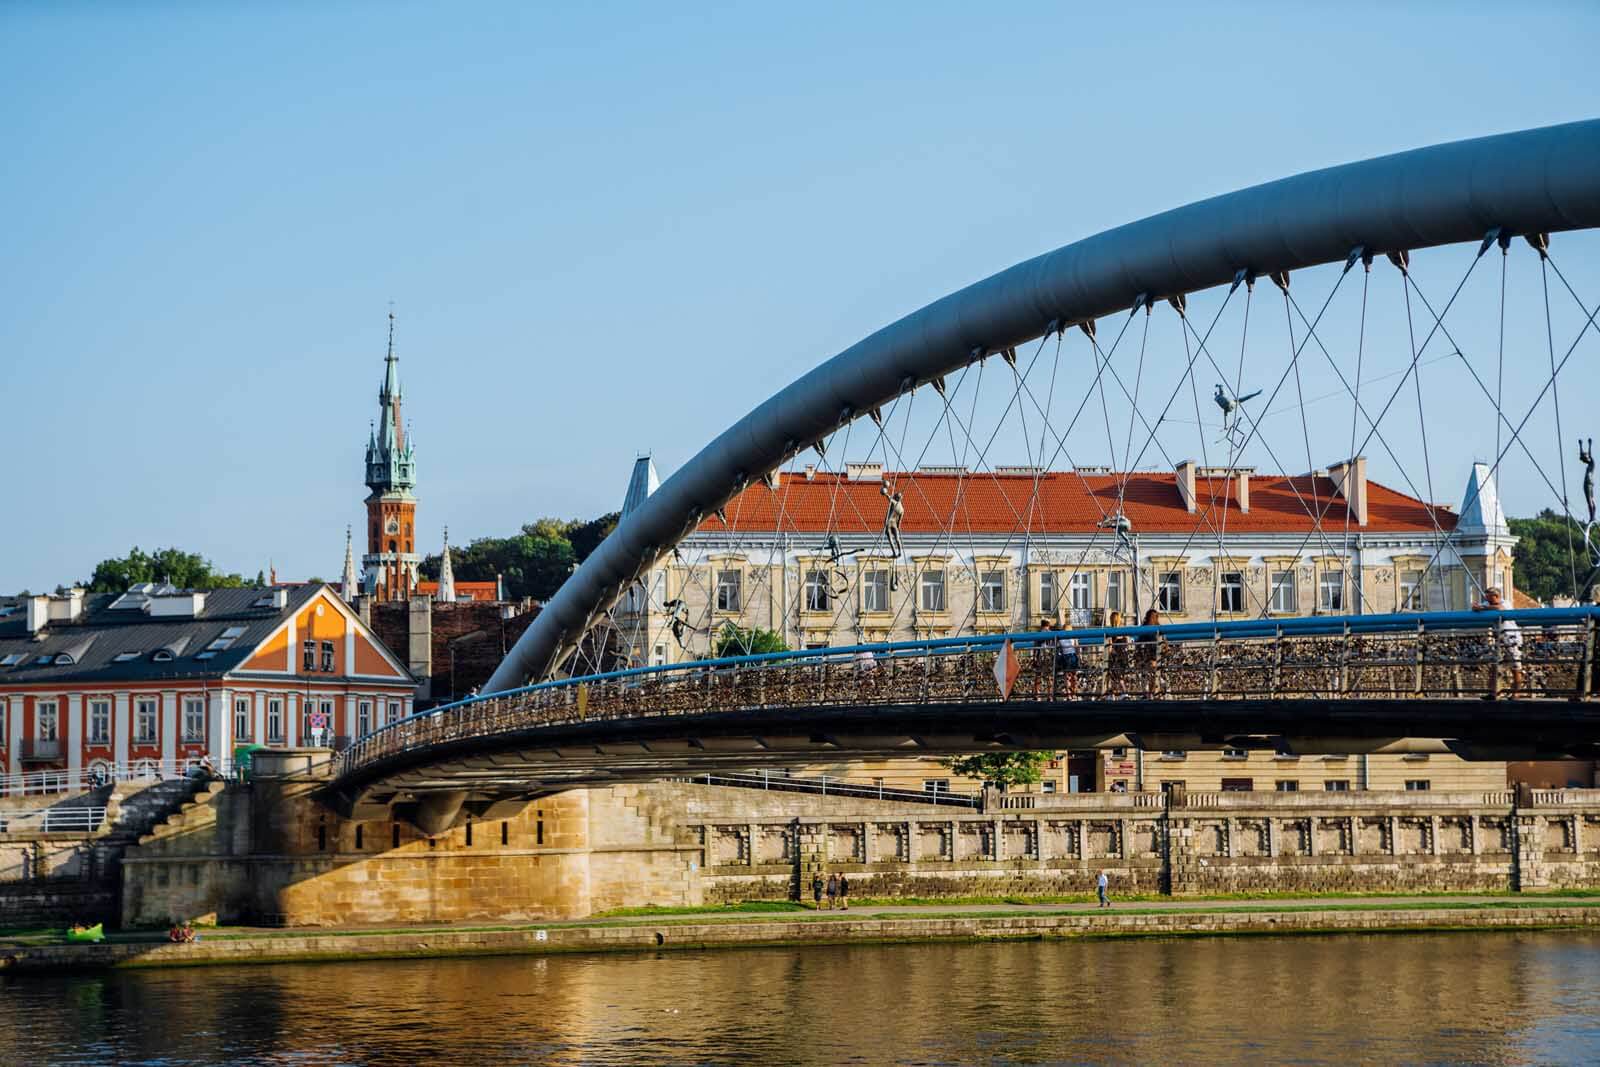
{"points": [[350, 587], [447, 574]]}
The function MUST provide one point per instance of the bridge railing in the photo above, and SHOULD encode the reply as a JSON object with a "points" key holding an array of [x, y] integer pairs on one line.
{"points": [[1546, 654]]}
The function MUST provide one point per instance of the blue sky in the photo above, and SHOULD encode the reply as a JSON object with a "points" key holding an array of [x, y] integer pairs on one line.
{"points": [[609, 228]]}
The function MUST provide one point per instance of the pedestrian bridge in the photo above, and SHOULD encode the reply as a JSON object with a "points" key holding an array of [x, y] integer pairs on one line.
{"points": [[1484, 685]]}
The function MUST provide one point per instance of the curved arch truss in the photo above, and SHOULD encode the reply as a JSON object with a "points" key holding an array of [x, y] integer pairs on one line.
{"points": [[1523, 185]]}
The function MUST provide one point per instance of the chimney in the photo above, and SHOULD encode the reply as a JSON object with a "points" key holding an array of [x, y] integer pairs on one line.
{"points": [[1242, 496], [38, 613], [1350, 481], [66, 607], [1186, 484]]}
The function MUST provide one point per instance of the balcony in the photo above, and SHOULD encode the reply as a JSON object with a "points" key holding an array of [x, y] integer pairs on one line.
{"points": [[36, 750]]}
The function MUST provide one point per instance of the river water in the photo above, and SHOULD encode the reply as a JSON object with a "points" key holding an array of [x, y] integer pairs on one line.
{"points": [[1485, 998]]}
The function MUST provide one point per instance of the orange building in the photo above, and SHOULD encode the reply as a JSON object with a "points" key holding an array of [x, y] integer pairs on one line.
{"points": [[164, 677]]}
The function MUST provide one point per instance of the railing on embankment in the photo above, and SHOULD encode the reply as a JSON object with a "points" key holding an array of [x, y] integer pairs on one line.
{"points": [[1548, 654], [35, 783]]}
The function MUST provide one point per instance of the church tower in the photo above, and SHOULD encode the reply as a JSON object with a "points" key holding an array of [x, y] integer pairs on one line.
{"points": [[389, 568]]}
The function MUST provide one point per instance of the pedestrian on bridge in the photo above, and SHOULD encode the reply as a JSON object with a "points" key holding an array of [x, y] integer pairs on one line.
{"points": [[1100, 885], [1507, 634]]}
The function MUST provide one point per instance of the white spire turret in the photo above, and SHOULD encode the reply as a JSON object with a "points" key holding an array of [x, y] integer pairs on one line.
{"points": [[447, 575], [350, 588]]}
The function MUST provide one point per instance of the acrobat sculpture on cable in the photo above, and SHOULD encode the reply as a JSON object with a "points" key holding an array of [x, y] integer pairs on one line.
{"points": [[1230, 408], [1586, 457], [892, 515]]}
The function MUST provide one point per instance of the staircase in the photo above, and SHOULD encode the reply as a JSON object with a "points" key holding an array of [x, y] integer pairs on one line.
{"points": [[135, 816]]}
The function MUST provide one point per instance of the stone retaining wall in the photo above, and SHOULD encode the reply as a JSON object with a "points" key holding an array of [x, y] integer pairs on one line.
{"points": [[270, 852], [1190, 845]]}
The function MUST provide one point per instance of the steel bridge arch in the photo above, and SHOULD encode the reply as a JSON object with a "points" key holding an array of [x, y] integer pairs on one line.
{"points": [[1533, 181]]}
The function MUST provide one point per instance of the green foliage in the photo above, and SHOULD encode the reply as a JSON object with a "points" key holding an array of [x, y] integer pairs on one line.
{"points": [[1543, 563], [532, 563], [1002, 768], [186, 570], [736, 641]]}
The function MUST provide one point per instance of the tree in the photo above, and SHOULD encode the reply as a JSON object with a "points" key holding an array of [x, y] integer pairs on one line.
{"points": [[186, 570], [734, 640], [1002, 768], [1549, 549], [532, 563]]}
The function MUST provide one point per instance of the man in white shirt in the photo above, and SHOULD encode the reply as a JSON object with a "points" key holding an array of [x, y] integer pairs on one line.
{"points": [[1508, 635]]}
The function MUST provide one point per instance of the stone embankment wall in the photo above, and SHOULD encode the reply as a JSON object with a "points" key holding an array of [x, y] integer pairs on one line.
{"points": [[270, 852], [58, 877], [1152, 843]]}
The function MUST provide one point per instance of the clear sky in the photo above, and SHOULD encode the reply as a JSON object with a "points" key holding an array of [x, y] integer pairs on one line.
{"points": [[610, 228]]}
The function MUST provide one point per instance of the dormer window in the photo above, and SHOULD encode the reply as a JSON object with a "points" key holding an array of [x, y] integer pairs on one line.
{"points": [[161, 655], [65, 660], [124, 657], [12, 659]]}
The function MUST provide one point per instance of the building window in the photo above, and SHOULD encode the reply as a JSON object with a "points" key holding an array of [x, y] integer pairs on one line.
{"points": [[1174, 753], [1048, 785], [1417, 785], [308, 657], [932, 591], [144, 722], [241, 719], [729, 590], [1238, 785], [1336, 785], [1114, 597], [327, 656], [363, 718], [1410, 591], [936, 785], [1047, 593], [1230, 593], [992, 591], [394, 705], [1169, 593], [1287, 785], [875, 591], [275, 720], [1235, 753], [819, 594], [46, 724], [1330, 591], [99, 722], [194, 719], [1082, 587], [1283, 593]]}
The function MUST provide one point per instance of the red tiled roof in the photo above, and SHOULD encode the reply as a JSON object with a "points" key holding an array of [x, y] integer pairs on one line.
{"points": [[1067, 502]]}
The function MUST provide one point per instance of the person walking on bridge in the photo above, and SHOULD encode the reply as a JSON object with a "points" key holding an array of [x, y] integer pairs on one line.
{"points": [[1101, 884]]}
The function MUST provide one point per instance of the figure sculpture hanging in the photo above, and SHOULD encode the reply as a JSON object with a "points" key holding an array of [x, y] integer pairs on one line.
{"points": [[1124, 528], [1586, 457], [892, 514], [677, 619], [1231, 432]]}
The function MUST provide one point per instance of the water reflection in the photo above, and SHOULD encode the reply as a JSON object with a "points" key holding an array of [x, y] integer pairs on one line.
{"points": [[1497, 998]]}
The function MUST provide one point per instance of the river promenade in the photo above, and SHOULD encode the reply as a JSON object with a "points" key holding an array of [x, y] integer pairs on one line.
{"points": [[867, 923]]}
